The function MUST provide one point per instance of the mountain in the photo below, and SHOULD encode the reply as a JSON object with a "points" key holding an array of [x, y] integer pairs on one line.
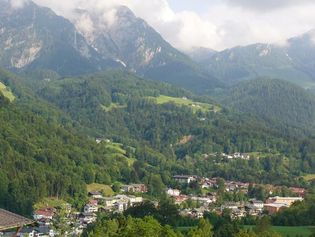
{"points": [[200, 54], [293, 62], [275, 101], [130, 41], [34, 37]]}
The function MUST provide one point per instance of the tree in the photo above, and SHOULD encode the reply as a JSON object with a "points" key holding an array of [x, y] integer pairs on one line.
{"points": [[205, 228]]}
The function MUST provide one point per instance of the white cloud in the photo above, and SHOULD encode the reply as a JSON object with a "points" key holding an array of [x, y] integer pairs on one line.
{"points": [[227, 23], [17, 3]]}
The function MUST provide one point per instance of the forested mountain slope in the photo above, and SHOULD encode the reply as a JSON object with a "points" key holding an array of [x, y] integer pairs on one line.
{"points": [[275, 101], [293, 61], [48, 147]]}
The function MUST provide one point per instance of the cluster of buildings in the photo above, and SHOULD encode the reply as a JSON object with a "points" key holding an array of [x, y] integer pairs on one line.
{"points": [[252, 207], [236, 155], [50, 222]]}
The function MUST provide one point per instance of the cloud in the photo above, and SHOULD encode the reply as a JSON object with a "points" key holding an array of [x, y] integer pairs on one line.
{"points": [[17, 3], [263, 5], [221, 24]]}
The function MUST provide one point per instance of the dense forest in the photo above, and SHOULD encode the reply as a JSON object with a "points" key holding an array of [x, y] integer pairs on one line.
{"points": [[275, 101], [48, 133]]}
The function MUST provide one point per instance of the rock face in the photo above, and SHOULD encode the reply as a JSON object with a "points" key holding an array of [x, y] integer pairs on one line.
{"points": [[35, 37], [126, 38]]}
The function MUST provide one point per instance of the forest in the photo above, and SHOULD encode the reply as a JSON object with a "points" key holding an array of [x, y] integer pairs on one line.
{"points": [[48, 133]]}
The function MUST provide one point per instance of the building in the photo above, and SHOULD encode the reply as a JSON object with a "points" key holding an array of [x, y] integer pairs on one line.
{"points": [[173, 192], [121, 202], [90, 208], [43, 214], [275, 204], [135, 188], [180, 199], [184, 179], [9, 220], [284, 200], [95, 195], [300, 192], [273, 208]]}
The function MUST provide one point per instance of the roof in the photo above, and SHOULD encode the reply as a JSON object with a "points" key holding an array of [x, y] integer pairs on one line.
{"points": [[9, 220], [44, 213]]}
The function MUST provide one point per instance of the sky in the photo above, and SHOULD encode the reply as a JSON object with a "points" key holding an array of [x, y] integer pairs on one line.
{"points": [[215, 24]]}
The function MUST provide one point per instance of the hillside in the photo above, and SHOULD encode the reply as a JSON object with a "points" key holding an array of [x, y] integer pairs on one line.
{"points": [[293, 62], [275, 101], [48, 138]]}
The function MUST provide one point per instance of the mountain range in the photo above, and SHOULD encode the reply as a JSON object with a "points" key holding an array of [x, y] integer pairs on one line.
{"points": [[294, 61], [35, 38]]}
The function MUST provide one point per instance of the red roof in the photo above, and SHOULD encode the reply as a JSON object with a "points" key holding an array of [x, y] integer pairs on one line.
{"points": [[94, 202], [44, 213]]}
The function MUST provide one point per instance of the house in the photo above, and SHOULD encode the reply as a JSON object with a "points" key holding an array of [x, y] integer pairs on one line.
{"points": [[95, 195], [88, 218], [203, 200], [257, 203], [121, 202], [135, 188], [173, 192], [44, 214], [36, 232], [231, 206], [180, 199], [254, 207], [300, 192], [209, 183], [184, 179], [90, 208]]}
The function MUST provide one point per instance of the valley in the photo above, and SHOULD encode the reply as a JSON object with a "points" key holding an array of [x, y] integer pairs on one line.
{"points": [[109, 130]]}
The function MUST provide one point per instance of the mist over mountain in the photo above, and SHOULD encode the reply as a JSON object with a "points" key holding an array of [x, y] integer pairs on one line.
{"points": [[294, 61], [35, 38]]}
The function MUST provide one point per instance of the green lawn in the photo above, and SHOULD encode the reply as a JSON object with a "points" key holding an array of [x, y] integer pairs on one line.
{"points": [[6, 92], [293, 231], [162, 99], [113, 106], [309, 177], [105, 189], [49, 202]]}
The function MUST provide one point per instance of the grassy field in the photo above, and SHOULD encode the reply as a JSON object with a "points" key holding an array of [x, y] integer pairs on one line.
{"points": [[6, 92], [309, 177], [288, 231], [49, 202], [105, 189], [195, 106], [113, 106], [116, 150]]}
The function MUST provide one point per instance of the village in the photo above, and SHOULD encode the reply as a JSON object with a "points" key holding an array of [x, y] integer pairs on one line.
{"points": [[66, 221]]}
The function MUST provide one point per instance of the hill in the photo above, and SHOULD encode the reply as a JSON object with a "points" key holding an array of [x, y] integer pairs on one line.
{"points": [[49, 133], [275, 101]]}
